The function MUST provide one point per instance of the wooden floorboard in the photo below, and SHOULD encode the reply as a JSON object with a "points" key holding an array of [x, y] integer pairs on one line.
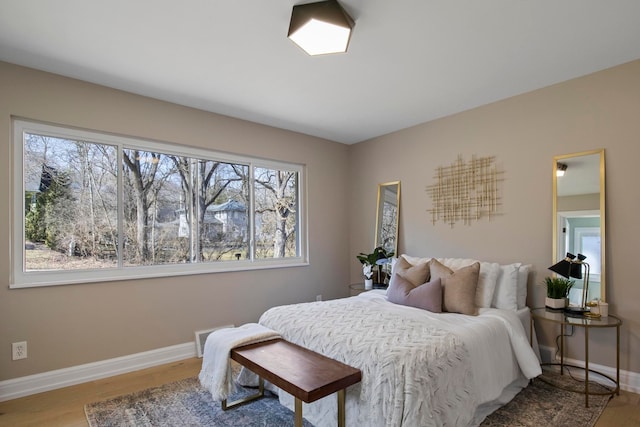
{"points": [[65, 407]]}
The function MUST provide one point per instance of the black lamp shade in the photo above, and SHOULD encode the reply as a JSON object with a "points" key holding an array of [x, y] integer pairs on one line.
{"points": [[567, 267], [576, 267], [576, 270], [562, 268]]}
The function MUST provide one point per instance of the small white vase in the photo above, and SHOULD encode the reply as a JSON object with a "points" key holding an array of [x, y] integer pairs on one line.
{"points": [[555, 303], [368, 284]]}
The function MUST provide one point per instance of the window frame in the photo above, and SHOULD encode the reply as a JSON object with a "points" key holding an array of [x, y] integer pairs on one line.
{"points": [[20, 278]]}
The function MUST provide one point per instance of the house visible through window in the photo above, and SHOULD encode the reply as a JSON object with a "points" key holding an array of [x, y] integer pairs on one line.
{"points": [[101, 207]]}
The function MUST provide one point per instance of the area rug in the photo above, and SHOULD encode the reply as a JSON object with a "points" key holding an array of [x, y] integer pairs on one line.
{"points": [[543, 404], [185, 403]]}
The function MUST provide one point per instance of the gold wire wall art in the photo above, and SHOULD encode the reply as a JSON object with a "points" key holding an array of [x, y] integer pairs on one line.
{"points": [[465, 191]]}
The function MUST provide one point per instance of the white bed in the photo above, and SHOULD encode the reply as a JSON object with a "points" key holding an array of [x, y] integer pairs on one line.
{"points": [[418, 368]]}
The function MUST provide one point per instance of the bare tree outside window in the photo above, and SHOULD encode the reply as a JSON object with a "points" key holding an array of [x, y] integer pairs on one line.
{"points": [[71, 209], [276, 213], [92, 205], [216, 194], [151, 186]]}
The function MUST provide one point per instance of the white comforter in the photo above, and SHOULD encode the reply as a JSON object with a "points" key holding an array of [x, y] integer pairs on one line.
{"points": [[418, 368]]}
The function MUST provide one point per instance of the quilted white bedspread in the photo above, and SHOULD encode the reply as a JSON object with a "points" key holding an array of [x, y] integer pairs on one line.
{"points": [[418, 368]]}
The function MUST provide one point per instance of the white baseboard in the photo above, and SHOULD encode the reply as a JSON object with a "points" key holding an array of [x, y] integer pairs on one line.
{"points": [[38, 383], [629, 381]]}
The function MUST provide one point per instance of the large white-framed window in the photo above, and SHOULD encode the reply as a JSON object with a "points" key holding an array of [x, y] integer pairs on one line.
{"points": [[90, 206]]}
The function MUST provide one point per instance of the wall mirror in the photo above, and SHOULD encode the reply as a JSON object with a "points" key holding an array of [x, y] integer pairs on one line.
{"points": [[579, 217], [387, 216]]}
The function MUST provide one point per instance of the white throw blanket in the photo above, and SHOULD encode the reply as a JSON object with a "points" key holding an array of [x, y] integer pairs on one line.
{"points": [[215, 375]]}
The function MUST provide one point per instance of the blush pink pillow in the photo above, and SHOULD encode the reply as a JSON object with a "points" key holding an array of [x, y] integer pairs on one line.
{"points": [[427, 296]]}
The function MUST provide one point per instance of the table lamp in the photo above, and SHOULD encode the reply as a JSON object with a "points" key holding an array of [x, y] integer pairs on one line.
{"points": [[570, 267]]}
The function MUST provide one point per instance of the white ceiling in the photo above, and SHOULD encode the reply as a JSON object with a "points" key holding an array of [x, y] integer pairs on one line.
{"points": [[409, 61], [581, 177]]}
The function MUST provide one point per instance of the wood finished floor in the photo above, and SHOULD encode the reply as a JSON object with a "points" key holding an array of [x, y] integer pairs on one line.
{"points": [[65, 407]]}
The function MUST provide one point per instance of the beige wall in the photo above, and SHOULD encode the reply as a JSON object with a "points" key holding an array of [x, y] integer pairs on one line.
{"points": [[76, 324], [583, 202], [525, 132], [71, 325]]}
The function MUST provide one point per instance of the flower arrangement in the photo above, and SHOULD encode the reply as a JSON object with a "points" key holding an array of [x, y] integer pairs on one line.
{"points": [[375, 259], [367, 270]]}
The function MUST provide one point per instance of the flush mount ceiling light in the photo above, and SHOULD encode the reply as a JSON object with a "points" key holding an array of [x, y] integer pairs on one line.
{"points": [[561, 169], [321, 28]]}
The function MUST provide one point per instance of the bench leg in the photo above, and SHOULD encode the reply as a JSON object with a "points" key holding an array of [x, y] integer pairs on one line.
{"points": [[298, 413], [246, 399], [341, 410]]}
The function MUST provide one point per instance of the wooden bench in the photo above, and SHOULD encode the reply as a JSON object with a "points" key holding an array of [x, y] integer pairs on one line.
{"points": [[303, 373]]}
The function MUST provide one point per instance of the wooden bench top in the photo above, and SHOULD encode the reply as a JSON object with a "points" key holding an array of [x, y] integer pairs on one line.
{"points": [[301, 372]]}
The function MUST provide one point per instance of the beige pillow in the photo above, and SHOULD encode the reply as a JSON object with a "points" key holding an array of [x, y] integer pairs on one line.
{"points": [[458, 287], [416, 274]]}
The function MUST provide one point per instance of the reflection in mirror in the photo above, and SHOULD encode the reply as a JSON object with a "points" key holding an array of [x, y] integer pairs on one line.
{"points": [[579, 217], [387, 216]]}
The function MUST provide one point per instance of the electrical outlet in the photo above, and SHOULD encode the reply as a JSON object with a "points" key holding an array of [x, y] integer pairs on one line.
{"points": [[19, 350], [318, 297]]}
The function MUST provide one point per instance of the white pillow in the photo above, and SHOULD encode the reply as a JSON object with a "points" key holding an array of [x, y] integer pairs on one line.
{"points": [[523, 278], [506, 293], [487, 280]]}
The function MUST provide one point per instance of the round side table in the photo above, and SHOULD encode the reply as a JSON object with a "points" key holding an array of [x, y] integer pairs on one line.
{"points": [[563, 319]]}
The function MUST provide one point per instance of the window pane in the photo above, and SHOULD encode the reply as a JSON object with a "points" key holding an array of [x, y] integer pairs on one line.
{"points": [[154, 203], [70, 212], [276, 213], [181, 210], [224, 216]]}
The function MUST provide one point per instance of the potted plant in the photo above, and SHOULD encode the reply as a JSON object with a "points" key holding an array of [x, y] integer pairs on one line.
{"points": [[372, 261], [557, 291]]}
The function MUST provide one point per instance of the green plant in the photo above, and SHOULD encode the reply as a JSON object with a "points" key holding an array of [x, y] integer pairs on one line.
{"points": [[374, 260], [378, 253], [558, 287]]}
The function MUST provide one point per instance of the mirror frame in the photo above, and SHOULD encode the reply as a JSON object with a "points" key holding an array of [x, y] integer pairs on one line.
{"points": [[379, 217], [556, 160]]}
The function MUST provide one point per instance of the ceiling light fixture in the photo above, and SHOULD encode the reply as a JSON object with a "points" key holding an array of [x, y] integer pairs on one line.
{"points": [[321, 28], [561, 169]]}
